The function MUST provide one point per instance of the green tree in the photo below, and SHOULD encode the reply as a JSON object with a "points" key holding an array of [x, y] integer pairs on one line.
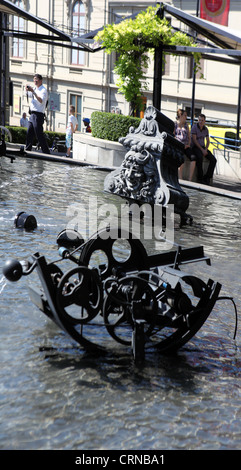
{"points": [[132, 40]]}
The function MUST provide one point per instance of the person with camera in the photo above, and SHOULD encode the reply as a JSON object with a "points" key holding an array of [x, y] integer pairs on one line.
{"points": [[39, 97]]}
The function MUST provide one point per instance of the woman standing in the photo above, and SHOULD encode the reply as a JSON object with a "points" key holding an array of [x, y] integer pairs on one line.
{"points": [[182, 133]]}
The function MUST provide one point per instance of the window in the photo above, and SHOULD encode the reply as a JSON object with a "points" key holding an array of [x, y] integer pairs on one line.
{"points": [[18, 26], [197, 111], [190, 60], [190, 67], [166, 68], [166, 57], [76, 101], [78, 28], [16, 100], [139, 113]]}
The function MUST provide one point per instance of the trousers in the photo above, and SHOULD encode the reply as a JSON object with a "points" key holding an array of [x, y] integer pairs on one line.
{"points": [[35, 128], [199, 163]]}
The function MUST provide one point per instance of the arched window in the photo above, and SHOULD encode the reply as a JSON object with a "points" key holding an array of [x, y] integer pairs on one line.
{"points": [[18, 26], [78, 28]]}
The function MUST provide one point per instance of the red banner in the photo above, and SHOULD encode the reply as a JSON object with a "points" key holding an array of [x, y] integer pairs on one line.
{"points": [[215, 10]]}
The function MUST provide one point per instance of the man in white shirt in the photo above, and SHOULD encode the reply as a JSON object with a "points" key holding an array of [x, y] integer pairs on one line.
{"points": [[39, 96]]}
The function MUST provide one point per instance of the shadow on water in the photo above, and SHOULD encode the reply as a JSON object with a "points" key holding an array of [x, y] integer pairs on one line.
{"points": [[208, 355]]}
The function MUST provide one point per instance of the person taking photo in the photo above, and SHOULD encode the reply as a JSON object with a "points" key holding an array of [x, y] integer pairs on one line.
{"points": [[39, 97]]}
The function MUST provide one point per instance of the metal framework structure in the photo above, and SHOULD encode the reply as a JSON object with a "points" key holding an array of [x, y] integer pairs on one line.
{"points": [[55, 37], [227, 46], [224, 46]]}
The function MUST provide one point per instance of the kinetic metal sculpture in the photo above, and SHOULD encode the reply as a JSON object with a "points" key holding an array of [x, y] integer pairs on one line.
{"points": [[142, 302], [149, 172]]}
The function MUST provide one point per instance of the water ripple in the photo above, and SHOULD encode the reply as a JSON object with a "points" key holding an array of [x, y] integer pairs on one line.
{"points": [[53, 395]]}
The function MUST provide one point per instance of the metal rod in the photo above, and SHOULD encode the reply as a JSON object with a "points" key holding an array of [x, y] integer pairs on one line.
{"points": [[194, 77], [239, 103], [157, 86], [158, 64]]}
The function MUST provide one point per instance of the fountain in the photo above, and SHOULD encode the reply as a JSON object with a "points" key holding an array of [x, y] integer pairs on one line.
{"points": [[142, 302], [149, 171]]}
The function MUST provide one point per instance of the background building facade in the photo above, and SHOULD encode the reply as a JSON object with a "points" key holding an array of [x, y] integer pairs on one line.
{"points": [[86, 79]]}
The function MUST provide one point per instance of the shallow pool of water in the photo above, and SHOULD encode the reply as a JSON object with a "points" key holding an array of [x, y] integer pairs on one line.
{"points": [[55, 396]]}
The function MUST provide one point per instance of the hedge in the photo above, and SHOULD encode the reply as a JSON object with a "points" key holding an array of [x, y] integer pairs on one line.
{"points": [[111, 126], [19, 135], [106, 126]]}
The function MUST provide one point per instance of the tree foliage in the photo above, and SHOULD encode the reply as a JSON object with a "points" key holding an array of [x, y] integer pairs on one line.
{"points": [[132, 40]]}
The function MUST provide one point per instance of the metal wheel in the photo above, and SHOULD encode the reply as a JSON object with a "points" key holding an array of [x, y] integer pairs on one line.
{"points": [[176, 327], [79, 295], [170, 319], [114, 251], [131, 299]]}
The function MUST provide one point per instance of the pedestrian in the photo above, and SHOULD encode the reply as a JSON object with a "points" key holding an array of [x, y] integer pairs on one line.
{"points": [[200, 144], [24, 120], [39, 96], [72, 126], [182, 133], [86, 122]]}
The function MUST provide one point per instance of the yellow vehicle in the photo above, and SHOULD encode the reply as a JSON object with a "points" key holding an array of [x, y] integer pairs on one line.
{"points": [[223, 138]]}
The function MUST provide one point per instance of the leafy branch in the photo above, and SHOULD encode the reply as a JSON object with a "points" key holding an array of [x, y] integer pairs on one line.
{"points": [[132, 40]]}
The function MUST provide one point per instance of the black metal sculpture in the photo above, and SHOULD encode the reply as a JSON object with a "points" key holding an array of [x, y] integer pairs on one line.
{"points": [[149, 172], [142, 301]]}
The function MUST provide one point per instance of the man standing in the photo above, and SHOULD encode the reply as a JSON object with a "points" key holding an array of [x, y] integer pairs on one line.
{"points": [[39, 96], [200, 144]]}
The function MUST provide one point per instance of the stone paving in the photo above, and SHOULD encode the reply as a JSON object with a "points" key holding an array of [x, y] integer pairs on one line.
{"points": [[221, 185]]}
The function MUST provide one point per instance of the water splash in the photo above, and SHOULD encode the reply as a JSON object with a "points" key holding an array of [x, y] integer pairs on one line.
{"points": [[3, 283]]}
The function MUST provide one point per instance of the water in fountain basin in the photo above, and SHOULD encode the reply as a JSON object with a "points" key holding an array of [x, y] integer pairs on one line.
{"points": [[55, 396]]}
